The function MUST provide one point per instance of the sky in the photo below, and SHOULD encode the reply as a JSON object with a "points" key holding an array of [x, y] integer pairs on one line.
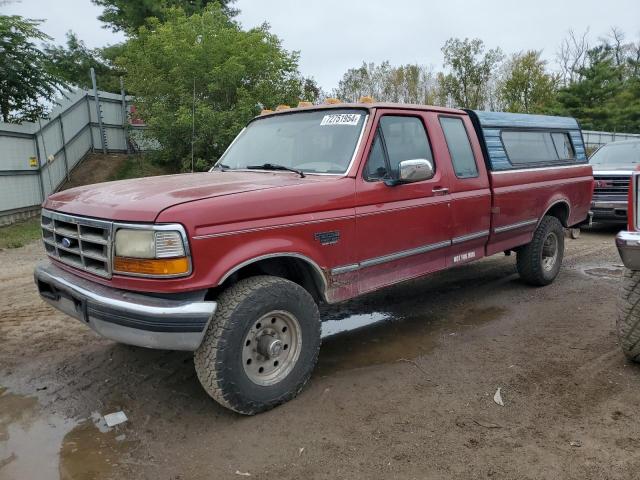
{"points": [[334, 35]]}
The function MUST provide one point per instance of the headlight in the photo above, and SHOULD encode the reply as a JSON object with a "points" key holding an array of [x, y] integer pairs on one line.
{"points": [[153, 252]]}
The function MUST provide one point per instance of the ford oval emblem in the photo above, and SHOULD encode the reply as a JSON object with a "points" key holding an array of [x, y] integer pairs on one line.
{"points": [[66, 242]]}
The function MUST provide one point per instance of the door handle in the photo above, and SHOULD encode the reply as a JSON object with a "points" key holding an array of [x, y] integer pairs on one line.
{"points": [[440, 191]]}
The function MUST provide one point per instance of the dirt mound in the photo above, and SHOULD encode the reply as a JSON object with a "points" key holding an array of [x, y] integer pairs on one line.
{"points": [[96, 168]]}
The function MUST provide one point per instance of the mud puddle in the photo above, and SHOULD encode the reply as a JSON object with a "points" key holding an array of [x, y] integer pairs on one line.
{"points": [[93, 451], [603, 272], [38, 445], [376, 338], [29, 441], [353, 322]]}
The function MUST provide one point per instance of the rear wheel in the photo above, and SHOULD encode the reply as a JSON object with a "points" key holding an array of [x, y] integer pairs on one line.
{"points": [[261, 346], [539, 261], [628, 321]]}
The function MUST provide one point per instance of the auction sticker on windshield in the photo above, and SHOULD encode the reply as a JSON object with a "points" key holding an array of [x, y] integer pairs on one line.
{"points": [[341, 119]]}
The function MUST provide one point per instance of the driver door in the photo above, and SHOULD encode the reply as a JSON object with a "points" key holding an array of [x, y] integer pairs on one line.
{"points": [[403, 231]]}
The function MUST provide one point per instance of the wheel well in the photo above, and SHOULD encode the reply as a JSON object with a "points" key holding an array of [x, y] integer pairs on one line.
{"points": [[292, 268], [560, 210]]}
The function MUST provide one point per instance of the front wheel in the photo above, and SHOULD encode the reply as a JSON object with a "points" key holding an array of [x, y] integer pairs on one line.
{"points": [[628, 321], [539, 261], [261, 346]]}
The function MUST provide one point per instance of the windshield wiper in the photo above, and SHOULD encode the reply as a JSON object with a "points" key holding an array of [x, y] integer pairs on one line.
{"points": [[275, 166]]}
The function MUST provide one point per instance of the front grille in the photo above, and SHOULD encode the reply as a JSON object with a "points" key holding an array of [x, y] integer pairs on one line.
{"points": [[611, 185], [80, 242]]}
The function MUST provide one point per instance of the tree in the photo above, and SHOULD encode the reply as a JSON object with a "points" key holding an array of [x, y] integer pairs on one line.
{"points": [[470, 73], [601, 83], [25, 81], [72, 64], [129, 15], [411, 83], [592, 99], [572, 56], [235, 73], [526, 86]]}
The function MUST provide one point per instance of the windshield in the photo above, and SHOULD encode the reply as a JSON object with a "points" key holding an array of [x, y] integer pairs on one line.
{"points": [[321, 141], [620, 154]]}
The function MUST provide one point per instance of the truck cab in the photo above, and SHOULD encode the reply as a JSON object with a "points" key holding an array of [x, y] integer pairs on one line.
{"points": [[308, 205]]}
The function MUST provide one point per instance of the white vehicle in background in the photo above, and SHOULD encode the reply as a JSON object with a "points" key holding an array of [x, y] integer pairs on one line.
{"points": [[612, 167]]}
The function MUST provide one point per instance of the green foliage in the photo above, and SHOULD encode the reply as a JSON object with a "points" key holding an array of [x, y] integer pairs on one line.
{"points": [[25, 81], [471, 70], [235, 74], [19, 234], [606, 95], [130, 15], [526, 86], [73, 62]]}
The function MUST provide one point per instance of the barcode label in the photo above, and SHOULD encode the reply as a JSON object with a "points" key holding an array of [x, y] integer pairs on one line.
{"points": [[341, 119]]}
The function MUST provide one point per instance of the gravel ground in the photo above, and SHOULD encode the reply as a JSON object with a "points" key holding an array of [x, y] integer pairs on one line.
{"points": [[408, 397]]}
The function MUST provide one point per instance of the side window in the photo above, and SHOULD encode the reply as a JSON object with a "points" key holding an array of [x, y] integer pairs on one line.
{"points": [[528, 147], [376, 167], [563, 145], [531, 147], [404, 139], [464, 163]]}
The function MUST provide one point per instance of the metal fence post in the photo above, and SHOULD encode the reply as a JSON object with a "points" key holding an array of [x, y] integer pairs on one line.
{"points": [[93, 147], [124, 116], [35, 140], [64, 147], [98, 112]]}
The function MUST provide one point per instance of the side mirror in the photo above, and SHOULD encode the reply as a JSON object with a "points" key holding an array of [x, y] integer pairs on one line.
{"points": [[414, 170]]}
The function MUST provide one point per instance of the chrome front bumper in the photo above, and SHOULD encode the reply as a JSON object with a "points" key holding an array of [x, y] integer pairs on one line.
{"points": [[609, 210], [171, 322], [628, 244]]}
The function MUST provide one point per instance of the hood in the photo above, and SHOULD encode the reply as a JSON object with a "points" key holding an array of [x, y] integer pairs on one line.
{"points": [[613, 170], [142, 199]]}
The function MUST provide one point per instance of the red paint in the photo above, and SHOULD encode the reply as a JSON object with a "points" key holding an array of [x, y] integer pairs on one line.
{"points": [[233, 217]]}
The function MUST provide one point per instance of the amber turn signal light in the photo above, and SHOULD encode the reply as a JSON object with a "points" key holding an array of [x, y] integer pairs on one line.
{"points": [[151, 266]]}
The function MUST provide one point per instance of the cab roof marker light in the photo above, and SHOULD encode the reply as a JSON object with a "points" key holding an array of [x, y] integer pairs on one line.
{"points": [[305, 104], [332, 101], [367, 99], [279, 108], [266, 111]]}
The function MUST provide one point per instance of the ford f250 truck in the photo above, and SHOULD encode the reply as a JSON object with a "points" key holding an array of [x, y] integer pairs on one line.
{"points": [[310, 204]]}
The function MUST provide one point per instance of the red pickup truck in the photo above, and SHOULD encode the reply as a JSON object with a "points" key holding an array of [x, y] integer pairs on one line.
{"points": [[310, 204]]}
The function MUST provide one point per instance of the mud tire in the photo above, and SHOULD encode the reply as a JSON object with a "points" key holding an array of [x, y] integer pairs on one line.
{"points": [[530, 257], [218, 360], [628, 321]]}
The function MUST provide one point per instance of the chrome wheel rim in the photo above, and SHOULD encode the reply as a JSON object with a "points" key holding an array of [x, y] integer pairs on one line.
{"points": [[271, 348], [550, 251]]}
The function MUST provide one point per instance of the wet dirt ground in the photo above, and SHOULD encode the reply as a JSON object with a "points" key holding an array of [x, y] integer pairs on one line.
{"points": [[408, 397]]}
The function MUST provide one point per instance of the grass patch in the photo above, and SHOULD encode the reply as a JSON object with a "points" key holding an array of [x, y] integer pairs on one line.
{"points": [[21, 233], [136, 166]]}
